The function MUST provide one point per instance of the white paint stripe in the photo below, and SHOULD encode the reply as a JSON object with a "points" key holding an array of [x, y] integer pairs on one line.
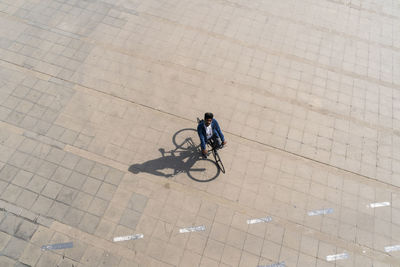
{"points": [[392, 248], [320, 212], [341, 256], [192, 229], [58, 246], [128, 237], [279, 264], [259, 220], [379, 204]]}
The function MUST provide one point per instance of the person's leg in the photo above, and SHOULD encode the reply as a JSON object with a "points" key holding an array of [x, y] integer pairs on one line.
{"points": [[216, 141]]}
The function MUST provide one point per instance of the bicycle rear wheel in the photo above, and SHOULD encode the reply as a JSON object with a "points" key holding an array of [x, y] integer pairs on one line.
{"points": [[218, 160]]}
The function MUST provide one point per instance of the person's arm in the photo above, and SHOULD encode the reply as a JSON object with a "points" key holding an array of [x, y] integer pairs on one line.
{"points": [[201, 136], [218, 129]]}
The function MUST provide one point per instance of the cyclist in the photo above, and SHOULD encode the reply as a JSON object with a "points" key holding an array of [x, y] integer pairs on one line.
{"points": [[208, 129]]}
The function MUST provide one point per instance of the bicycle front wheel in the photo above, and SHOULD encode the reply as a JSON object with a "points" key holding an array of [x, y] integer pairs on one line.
{"points": [[218, 161]]}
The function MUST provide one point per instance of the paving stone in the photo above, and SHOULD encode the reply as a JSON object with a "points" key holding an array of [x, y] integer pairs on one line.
{"points": [[42, 205], [25, 230], [76, 180], [52, 189], [3, 186], [6, 261], [82, 201], [37, 184], [67, 195], [84, 166], [65, 262], [4, 239], [91, 186], [55, 155], [48, 259], [57, 211], [61, 175], [106, 191], [26, 199], [92, 256], [108, 259], [11, 193], [18, 159], [8, 172], [114, 176], [98, 207], [32, 164], [42, 236], [68, 136], [55, 132], [73, 217], [99, 171], [77, 251], [14, 248], [130, 218], [89, 223], [137, 202], [22, 178], [69, 161], [20, 264], [47, 168]]}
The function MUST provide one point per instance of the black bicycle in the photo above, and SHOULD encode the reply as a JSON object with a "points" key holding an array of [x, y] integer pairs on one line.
{"points": [[213, 144]]}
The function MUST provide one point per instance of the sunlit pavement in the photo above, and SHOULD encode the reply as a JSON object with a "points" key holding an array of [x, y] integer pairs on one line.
{"points": [[99, 157]]}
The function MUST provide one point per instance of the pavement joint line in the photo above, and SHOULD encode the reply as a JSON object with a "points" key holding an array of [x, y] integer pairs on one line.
{"points": [[77, 86], [270, 51], [320, 28], [250, 140], [10, 208], [279, 221], [289, 100], [289, 56], [98, 242]]}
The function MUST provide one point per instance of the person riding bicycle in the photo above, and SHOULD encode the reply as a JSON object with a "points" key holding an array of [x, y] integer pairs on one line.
{"points": [[208, 129]]}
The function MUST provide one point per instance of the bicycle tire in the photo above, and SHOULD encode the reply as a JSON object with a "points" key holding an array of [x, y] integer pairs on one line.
{"points": [[218, 160]]}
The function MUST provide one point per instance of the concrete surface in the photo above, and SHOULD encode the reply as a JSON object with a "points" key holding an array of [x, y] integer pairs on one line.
{"points": [[99, 99]]}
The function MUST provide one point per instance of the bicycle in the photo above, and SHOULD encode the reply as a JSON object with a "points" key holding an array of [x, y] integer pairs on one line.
{"points": [[214, 150]]}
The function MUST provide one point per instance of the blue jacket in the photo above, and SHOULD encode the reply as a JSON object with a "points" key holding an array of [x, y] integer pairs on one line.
{"points": [[201, 130]]}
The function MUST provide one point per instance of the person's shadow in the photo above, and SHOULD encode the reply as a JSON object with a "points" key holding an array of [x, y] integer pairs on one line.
{"points": [[185, 158]]}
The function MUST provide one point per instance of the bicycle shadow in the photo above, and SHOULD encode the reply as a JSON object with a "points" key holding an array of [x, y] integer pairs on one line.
{"points": [[185, 158]]}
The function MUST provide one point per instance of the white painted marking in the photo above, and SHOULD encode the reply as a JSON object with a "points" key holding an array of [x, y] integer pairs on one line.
{"points": [[379, 204], [392, 248], [192, 229], [128, 237], [341, 256], [259, 220], [279, 264], [320, 212], [58, 246]]}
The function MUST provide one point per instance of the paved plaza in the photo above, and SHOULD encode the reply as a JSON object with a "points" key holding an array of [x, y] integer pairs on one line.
{"points": [[99, 157]]}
